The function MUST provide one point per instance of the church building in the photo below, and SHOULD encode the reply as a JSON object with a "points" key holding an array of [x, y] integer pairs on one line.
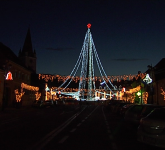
{"points": [[16, 73]]}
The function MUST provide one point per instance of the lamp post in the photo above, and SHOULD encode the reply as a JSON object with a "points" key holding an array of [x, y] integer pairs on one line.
{"points": [[152, 76]]}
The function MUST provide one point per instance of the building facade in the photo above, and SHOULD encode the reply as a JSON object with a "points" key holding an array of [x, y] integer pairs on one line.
{"points": [[16, 71], [158, 72]]}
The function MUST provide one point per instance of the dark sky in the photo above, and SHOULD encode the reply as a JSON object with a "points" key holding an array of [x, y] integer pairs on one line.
{"points": [[129, 35]]}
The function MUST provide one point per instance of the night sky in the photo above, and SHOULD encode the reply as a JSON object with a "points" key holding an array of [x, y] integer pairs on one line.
{"points": [[129, 35]]}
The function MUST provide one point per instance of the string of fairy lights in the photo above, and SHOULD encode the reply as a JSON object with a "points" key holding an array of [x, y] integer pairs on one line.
{"points": [[22, 92], [86, 57], [59, 78], [38, 94], [88, 49], [162, 93]]}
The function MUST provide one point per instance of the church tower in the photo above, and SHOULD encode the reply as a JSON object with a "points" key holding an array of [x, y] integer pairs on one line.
{"points": [[27, 55]]}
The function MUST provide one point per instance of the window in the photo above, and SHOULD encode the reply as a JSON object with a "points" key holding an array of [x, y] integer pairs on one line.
{"points": [[22, 76], [28, 77], [25, 76], [157, 114], [15, 75], [19, 75]]}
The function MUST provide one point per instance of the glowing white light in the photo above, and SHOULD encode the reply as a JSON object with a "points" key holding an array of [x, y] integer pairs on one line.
{"points": [[147, 79]]}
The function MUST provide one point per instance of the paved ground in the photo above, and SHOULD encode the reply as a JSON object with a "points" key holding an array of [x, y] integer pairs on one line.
{"points": [[9, 112]]}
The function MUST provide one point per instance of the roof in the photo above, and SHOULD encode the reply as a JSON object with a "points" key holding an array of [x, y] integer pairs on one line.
{"points": [[159, 69], [7, 54], [27, 47], [160, 65]]}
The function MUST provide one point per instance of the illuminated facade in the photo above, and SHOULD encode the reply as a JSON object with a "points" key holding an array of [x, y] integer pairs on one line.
{"points": [[14, 71]]}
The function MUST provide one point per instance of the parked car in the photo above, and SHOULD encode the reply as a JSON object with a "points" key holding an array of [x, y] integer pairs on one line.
{"points": [[152, 128], [38, 104], [136, 112]]}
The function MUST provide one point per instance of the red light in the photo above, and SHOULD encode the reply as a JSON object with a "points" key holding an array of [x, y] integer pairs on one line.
{"points": [[89, 25], [9, 76], [123, 89]]}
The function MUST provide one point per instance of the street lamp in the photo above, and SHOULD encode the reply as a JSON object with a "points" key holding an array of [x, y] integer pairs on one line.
{"points": [[140, 96], [152, 76]]}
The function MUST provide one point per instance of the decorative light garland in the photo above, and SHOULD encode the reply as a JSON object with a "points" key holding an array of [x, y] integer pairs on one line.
{"points": [[27, 87], [163, 92], [75, 79], [147, 79], [145, 97], [52, 93], [9, 76], [19, 95], [132, 98], [38, 95], [134, 90]]}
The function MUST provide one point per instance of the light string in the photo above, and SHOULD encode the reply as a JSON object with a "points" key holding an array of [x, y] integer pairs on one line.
{"points": [[27, 87], [83, 74], [117, 78], [99, 64], [163, 92], [78, 61]]}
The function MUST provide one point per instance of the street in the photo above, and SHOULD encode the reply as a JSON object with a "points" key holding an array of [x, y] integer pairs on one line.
{"points": [[59, 128]]}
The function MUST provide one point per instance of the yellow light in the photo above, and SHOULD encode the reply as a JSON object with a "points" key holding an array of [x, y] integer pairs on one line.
{"points": [[38, 95], [18, 95], [111, 78], [29, 87], [163, 93]]}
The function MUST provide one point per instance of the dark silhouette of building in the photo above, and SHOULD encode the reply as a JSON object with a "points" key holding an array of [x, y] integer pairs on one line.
{"points": [[27, 55]]}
